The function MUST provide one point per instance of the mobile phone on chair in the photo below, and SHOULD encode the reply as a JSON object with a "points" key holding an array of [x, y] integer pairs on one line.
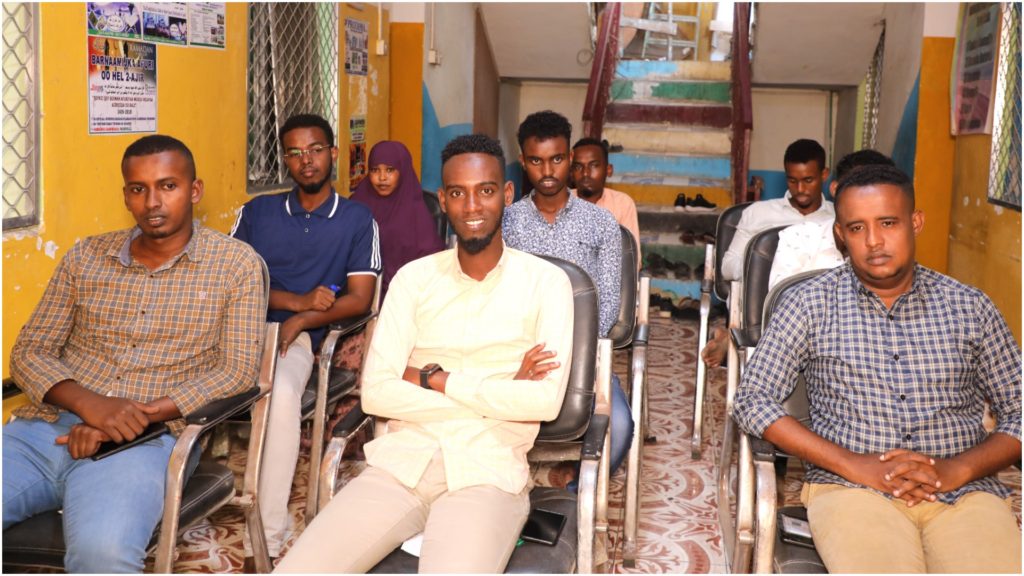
{"points": [[543, 526]]}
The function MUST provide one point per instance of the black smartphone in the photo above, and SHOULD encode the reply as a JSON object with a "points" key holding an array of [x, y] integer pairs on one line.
{"points": [[111, 448], [795, 530], [543, 526]]}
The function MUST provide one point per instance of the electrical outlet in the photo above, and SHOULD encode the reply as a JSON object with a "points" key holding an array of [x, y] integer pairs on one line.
{"points": [[434, 57], [381, 47]]}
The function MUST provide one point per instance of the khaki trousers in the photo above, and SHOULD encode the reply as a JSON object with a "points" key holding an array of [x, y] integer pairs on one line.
{"points": [[858, 531], [472, 530]]}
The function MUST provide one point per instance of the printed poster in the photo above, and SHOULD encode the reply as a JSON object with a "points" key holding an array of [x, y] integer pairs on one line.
{"points": [[357, 159], [977, 47], [206, 24], [356, 46], [122, 86], [114, 19], [165, 22]]}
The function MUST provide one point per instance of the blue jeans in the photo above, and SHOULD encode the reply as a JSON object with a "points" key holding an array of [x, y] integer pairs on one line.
{"points": [[111, 506], [621, 431]]}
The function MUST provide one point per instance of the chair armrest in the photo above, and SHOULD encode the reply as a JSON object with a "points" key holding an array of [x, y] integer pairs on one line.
{"points": [[352, 324], [762, 450], [220, 410], [350, 422], [593, 440], [743, 338]]}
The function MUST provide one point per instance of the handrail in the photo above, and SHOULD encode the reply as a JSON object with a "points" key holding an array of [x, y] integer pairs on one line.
{"points": [[742, 109], [602, 71]]}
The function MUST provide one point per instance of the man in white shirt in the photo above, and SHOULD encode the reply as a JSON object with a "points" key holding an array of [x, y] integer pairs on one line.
{"points": [[465, 379], [806, 172]]}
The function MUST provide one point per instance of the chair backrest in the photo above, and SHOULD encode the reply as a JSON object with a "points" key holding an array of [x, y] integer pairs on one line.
{"points": [[724, 233], [621, 333], [440, 219], [757, 269], [573, 419], [796, 404]]}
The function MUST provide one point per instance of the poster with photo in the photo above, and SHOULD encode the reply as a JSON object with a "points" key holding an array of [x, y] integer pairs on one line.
{"points": [[356, 46], [113, 19], [165, 22], [207, 24], [977, 45], [357, 159], [122, 86]]}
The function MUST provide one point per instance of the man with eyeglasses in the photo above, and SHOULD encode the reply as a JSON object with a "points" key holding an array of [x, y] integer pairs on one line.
{"points": [[324, 258]]}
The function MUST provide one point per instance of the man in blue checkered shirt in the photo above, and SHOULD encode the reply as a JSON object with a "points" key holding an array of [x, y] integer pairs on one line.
{"points": [[899, 361]]}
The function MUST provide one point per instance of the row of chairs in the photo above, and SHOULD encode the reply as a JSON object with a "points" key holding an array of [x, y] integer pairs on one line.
{"points": [[38, 542]]}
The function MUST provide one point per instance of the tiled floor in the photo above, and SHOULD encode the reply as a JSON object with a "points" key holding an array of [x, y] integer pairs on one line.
{"points": [[678, 524]]}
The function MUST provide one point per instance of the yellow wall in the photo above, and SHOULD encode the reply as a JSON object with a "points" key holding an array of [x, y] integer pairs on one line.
{"points": [[407, 88], [365, 96], [984, 248], [933, 162], [200, 99]]}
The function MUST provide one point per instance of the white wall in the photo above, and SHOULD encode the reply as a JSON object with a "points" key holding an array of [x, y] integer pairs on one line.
{"points": [[782, 116], [509, 95], [451, 83], [565, 98], [904, 27]]}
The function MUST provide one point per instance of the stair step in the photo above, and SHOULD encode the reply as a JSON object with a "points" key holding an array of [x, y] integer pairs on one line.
{"points": [[676, 70], [661, 226], [717, 167], [665, 195], [666, 138], [670, 90], [680, 114]]}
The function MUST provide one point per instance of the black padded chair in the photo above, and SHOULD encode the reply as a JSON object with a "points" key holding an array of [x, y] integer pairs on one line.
{"points": [[579, 432], [713, 280], [38, 542], [631, 331], [434, 205]]}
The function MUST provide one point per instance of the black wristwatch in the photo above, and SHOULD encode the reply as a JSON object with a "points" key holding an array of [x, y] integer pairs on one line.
{"points": [[425, 373]]}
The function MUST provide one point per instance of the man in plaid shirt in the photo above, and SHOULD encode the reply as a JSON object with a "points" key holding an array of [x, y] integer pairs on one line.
{"points": [[136, 327], [898, 361]]}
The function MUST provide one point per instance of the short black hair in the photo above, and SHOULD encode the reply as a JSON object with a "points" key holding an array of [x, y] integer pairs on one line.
{"points": [[473, 144], [865, 157], [588, 141], [872, 175], [803, 151], [544, 125], [157, 143], [306, 121]]}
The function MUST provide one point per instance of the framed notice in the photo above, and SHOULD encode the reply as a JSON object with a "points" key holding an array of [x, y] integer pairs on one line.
{"points": [[113, 19], [206, 24], [357, 52], [977, 46], [165, 22], [122, 86]]}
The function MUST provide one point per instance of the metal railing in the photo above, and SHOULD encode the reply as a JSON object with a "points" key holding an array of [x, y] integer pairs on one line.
{"points": [[602, 71]]}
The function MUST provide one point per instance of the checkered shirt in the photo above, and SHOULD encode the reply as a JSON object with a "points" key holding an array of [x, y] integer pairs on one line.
{"points": [[190, 330], [914, 376]]}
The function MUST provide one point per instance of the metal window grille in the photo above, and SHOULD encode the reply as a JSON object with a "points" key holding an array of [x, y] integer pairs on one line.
{"points": [[1004, 182], [21, 115], [293, 68], [873, 94]]}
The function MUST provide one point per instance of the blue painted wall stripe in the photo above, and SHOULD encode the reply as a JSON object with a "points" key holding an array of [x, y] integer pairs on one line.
{"points": [[643, 69], [693, 166], [904, 149], [435, 137]]}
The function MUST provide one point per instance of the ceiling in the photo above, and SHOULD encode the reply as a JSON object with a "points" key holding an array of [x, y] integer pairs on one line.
{"points": [[819, 44], [539, 40]]}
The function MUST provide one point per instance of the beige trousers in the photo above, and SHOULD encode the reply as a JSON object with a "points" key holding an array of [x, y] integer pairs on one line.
{"points": [[859, 531], [472, 530]]}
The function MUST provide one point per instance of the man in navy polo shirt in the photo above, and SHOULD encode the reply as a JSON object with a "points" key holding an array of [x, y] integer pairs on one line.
{"points": [[317, 245]]}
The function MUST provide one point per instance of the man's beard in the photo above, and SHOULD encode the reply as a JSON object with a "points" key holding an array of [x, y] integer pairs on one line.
{"points": [[586, 192], [476, 245], [316, 186]]}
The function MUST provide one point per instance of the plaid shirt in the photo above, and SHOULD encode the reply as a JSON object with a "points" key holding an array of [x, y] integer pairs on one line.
{"points": [[914, 376], [190, 330]]}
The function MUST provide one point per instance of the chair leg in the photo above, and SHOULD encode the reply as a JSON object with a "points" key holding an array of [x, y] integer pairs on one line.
{"points": [[765, 522], [319, 423], [586, 512], [700, 385], [175, 484], [249, 499], [634, 464], [744, 547]]}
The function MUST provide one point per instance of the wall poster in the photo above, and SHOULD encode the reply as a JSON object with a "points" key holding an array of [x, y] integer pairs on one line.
{"points": [[357, 160], [356, 46], [207, 24], [122, 86], [977, 45]]}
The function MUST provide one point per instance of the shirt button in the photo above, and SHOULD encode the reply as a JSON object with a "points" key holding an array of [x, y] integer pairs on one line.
{"points": [[903, 396], [307, 230], [907, 437], [134, 346], [307, 216], [891, 317], [143, 312], [896, 356]]}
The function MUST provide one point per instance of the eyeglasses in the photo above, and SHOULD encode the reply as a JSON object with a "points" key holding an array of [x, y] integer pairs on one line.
{"points": [[312, 151]]}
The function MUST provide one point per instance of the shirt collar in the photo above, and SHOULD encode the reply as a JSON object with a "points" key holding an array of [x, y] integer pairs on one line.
{"points": [[564, 210], [918, 287], [456, 267], [326, 209], [194, 248]]}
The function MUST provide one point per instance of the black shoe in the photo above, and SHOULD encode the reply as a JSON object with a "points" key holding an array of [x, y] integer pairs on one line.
{"points": [[656, 264], [698, 272], [700, 204], [687, 236], [681, 201], [681, 270]]}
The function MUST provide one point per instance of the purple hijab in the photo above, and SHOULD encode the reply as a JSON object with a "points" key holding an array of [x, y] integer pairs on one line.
{"points": [[407, 230]]}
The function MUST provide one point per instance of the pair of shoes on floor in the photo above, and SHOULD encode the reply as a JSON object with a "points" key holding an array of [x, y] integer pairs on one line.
{"points": [[696, 204], [249, 564]]}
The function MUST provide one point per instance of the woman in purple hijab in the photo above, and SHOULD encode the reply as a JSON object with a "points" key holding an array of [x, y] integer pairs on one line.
{"points": [[392, 192]]}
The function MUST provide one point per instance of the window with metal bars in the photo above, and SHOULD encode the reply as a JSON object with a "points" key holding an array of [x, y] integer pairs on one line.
{"points": [[1004, 185], [21, 115], [873, 94], [293, 69]]}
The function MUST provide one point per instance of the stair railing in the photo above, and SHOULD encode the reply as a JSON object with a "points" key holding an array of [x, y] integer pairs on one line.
{"points": [[742, 109], [602, 71]]}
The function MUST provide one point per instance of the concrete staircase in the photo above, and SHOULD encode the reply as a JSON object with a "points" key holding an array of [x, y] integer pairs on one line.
{"points": [[669, 127]]}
